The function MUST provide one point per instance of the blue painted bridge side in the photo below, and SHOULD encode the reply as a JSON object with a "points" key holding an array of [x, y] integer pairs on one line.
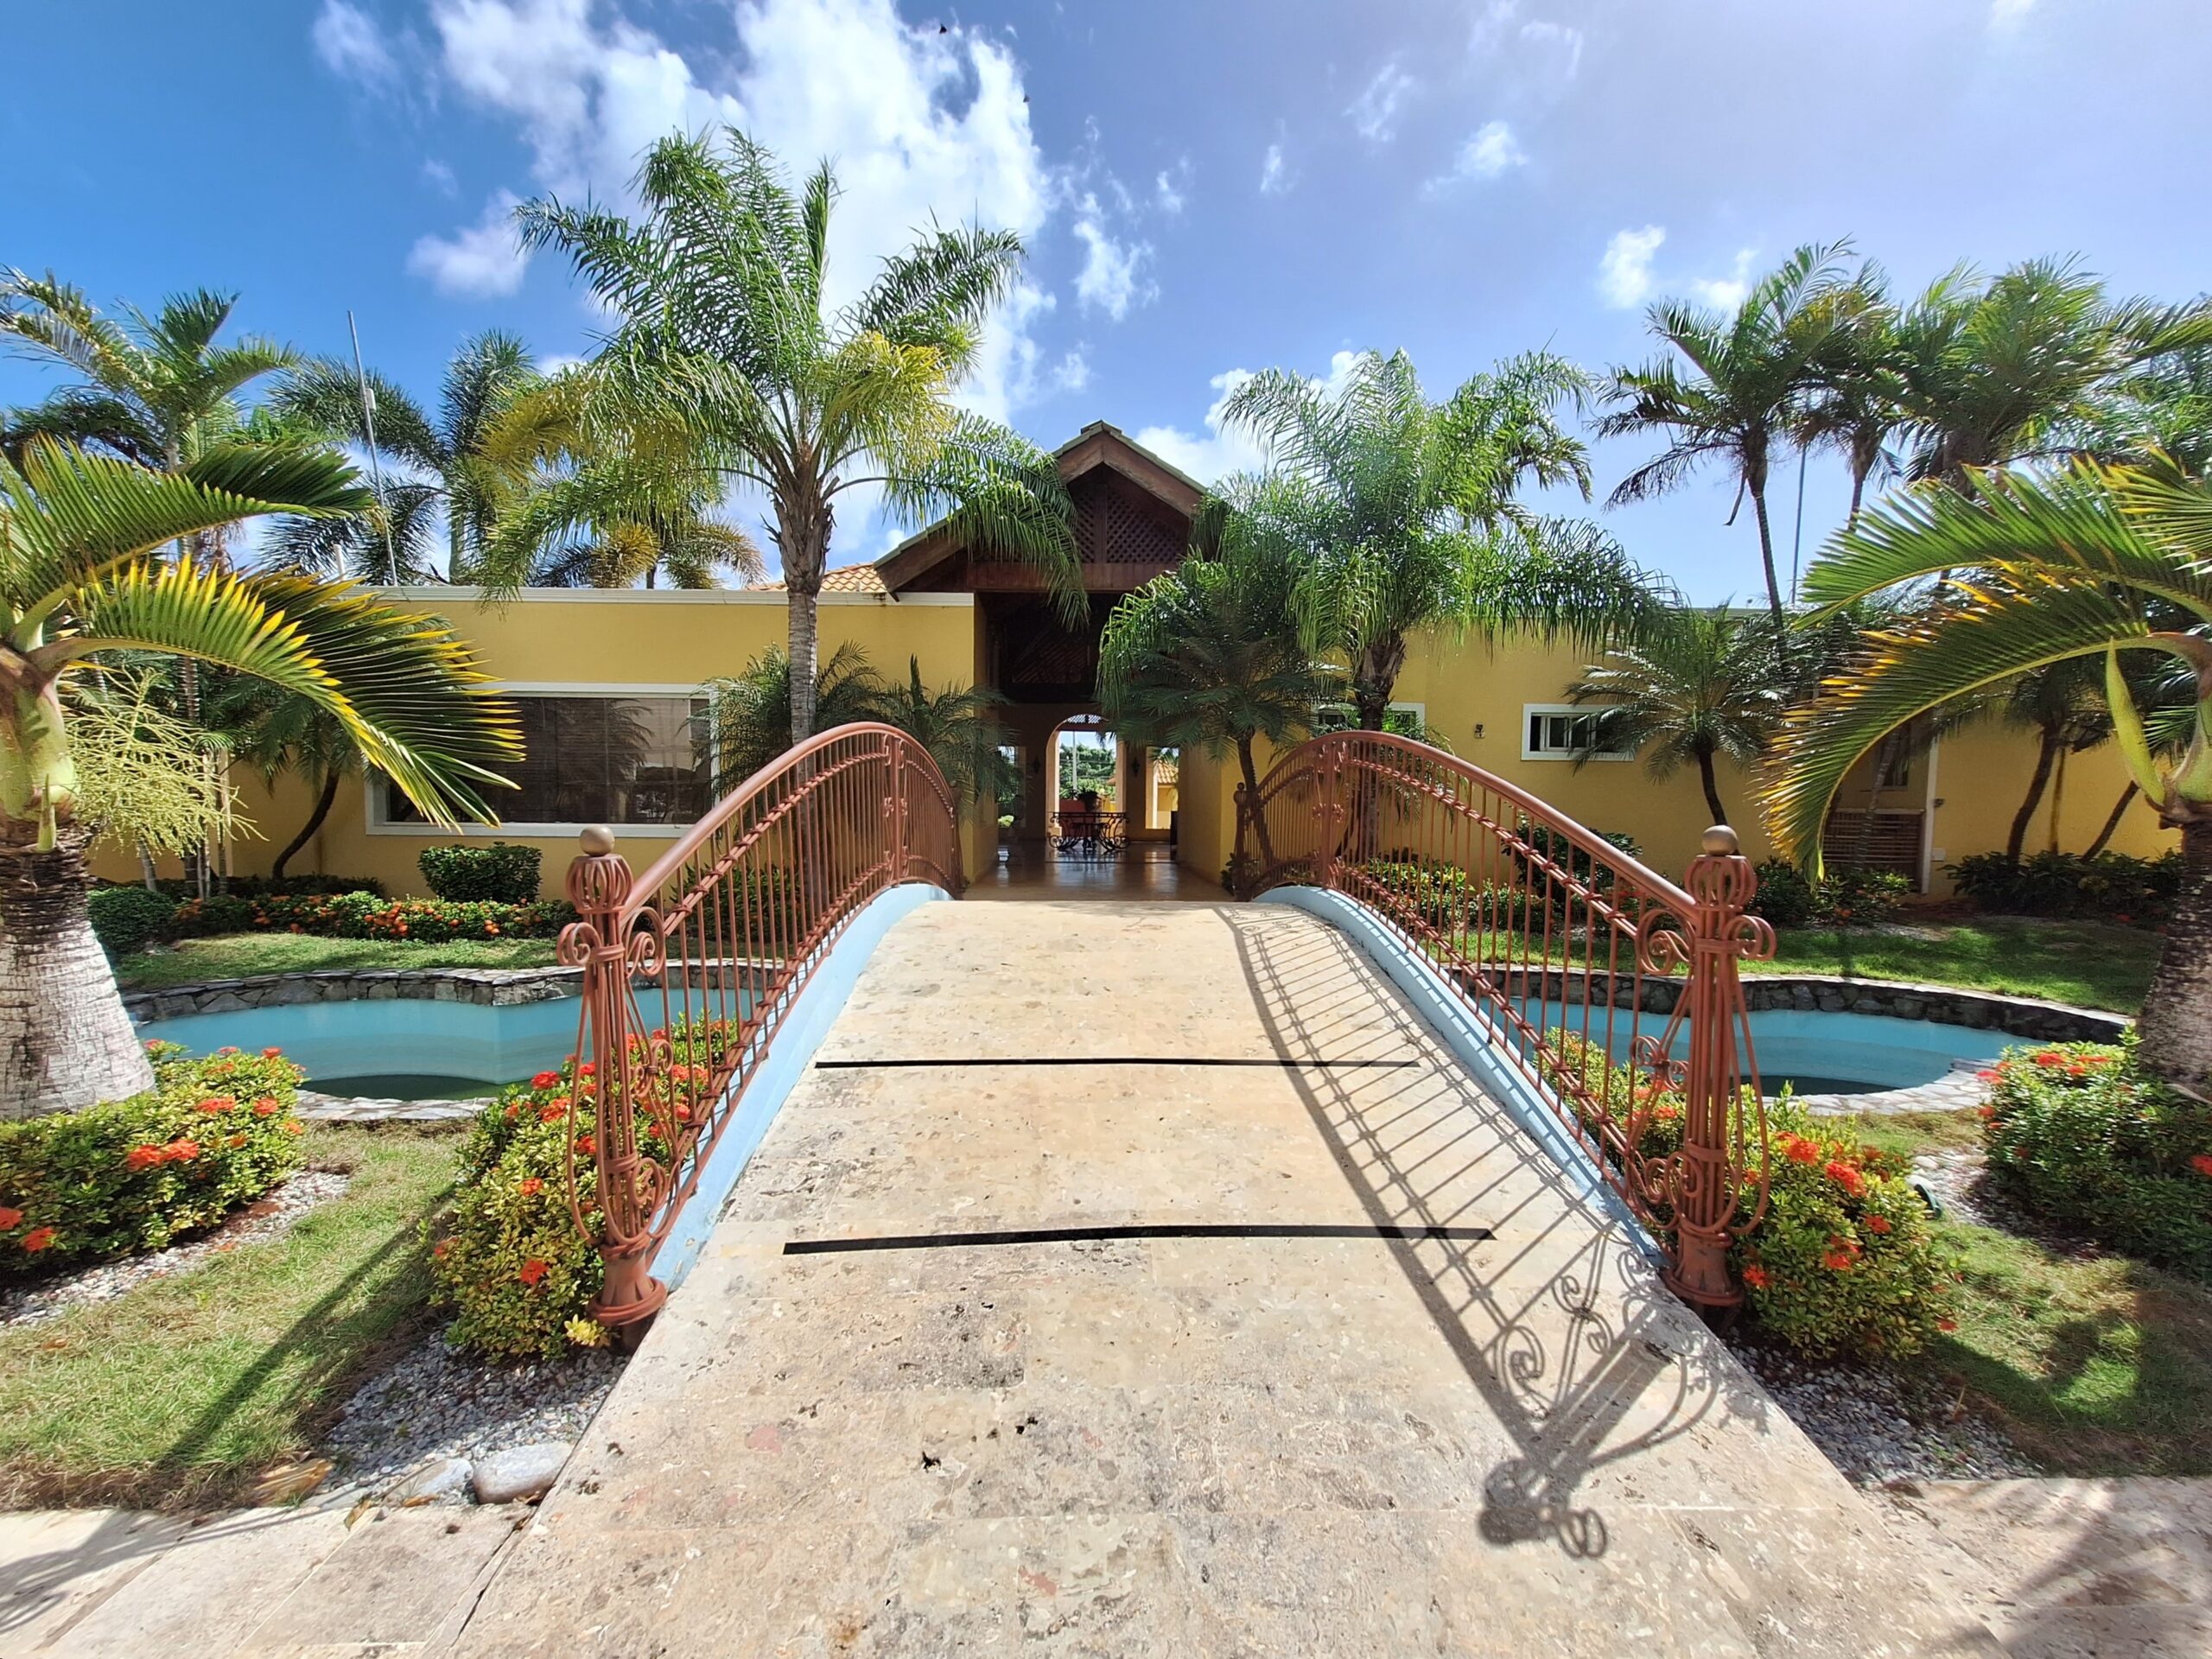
{"points": [[1475, 1041], [813, 1013]]}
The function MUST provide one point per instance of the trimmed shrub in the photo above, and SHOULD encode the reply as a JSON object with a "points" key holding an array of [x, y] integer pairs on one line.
{"points": [[2082, 1136], [498, 872], [1843, 1262], [1444, 897], [130, 918], [2112, 886], [512, 1266], [259, 886], [1846, 899], [132, 1175], [371, 916]]}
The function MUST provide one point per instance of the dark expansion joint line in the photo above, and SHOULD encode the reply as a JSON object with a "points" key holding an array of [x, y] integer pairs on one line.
{"points": [[1135, 1229]]}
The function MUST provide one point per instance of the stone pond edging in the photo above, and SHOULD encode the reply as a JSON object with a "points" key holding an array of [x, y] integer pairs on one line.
{"points": [[486, 986]]}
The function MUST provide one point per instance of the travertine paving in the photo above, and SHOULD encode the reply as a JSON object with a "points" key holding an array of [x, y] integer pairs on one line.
{"points": [[1314, 1355]]}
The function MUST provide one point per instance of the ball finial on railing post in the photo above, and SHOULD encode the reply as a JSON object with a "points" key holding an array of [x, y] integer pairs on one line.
{"points": [[596, 839], [1719, 842]]}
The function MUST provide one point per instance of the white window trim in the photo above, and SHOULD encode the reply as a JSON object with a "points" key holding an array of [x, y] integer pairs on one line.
{"points": [[1529, 710], [373, 787]]}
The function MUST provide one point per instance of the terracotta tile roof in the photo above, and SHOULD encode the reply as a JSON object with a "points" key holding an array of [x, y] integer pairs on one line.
{"points": [[850, 578]]}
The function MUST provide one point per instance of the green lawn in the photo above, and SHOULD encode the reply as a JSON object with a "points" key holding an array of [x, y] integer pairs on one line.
{"points": [[2091, 964], [238, 955], [179, 1392], [2096, 1366]]}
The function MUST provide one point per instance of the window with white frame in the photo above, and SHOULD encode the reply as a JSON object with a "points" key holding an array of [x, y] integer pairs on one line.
{"points": [[1560, 731], [620, 758]]}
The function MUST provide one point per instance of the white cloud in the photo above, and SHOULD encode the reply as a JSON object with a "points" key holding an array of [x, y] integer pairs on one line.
{"points": [[1492, 152], [1558, 41], [1726, 292], [481, 259], [1172, 190], [1112, 277], [441, 176], [921, 125], [2008, 14], [349, 44], [1213, 454], [1275, 173], [1624, 273], [1375, 112]]}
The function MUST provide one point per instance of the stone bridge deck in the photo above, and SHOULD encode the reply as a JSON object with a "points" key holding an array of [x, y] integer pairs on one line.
{"points": [[1134, 1280]]}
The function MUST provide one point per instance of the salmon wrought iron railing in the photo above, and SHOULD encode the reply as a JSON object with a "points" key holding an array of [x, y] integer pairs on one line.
{"points": [[1569, 950], [691, 969]]}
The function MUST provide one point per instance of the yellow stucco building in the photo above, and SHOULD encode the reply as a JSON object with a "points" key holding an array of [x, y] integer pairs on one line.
{"points": [[608, 683]]}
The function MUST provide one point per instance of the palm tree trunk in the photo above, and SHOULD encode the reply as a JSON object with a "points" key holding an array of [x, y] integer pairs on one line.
{"points": [[2112, 824], [65, 1040], [2176, 1028], [1712, 787], [322, 801], [1251, 806], [2046, 753], [1773, 576], [805, 647], [1858, 494]]}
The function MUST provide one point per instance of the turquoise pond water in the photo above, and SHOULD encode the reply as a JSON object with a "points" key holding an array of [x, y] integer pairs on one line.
{"points": [[1822, 1053], [424, 1049]]}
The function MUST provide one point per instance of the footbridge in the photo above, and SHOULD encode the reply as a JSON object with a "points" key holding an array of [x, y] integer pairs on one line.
{"points": [[1306, 1273]]}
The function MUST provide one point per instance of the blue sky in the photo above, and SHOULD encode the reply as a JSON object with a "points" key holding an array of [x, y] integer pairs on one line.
{"points": [[1206, 188]]}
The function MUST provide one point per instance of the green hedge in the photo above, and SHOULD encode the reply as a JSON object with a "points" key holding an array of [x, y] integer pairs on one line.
{"points": [[2082, 1136], [1845, 898], [130, 919], [2112, 886], [131, 1175], [368, 916], [498, 872]]}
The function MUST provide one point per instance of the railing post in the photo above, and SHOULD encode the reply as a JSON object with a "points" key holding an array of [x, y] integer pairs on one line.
{"points": [[1328, 811], [598, 886], [1711, 1181], [895, 810]]}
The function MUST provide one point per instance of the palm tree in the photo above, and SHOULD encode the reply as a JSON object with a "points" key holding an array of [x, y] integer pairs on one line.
{"points": [[959, 727], [1849, 336], [1741, 399], [78, 580], [275, 732], [2022, 367], [749, 713], [1211, 655], [726, 333], [2063, 704], [1698, 685], [603, 508], [154, 390], [1399, 514], [447, 465], [2090, 563]]}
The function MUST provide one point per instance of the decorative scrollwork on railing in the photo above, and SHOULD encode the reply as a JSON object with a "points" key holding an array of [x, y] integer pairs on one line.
{"points": [[691, 968], [1613, 990]]}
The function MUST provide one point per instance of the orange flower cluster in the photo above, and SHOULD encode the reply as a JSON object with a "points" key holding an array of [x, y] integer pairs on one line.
{"points": [[2201, 1163], [1849, 1177], [179, 1151]]}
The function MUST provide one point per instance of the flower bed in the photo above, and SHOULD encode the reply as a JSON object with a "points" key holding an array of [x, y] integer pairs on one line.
{"points": [[370, 916], [1842, 1262], [512, 1267], [2080, 1134], [131, 1175]]}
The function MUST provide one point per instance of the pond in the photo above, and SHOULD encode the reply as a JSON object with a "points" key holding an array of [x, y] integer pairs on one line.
{"points": [[402, 1048], [1817, 1053]]}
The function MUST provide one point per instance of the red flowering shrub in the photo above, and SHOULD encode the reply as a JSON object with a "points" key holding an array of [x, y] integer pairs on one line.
{"points": [[2084, 1137], [1843, 1261], [372, 916], [132, 1175], [512, 1267]]}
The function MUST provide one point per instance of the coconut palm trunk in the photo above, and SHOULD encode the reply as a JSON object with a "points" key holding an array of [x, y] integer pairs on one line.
{"points": [[2112, 822], [67, 1039], [2176, 1024], [324, 797], [1712, 787], [2038, 780]]}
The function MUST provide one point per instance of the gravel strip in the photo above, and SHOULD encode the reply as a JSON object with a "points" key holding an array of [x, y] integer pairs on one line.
{"points": [[1876, 1428], [437, 1401], [271, 1216]]}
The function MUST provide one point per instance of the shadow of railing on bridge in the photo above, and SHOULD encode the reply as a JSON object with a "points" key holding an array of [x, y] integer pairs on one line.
{"points": [[1565, 1330]]}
